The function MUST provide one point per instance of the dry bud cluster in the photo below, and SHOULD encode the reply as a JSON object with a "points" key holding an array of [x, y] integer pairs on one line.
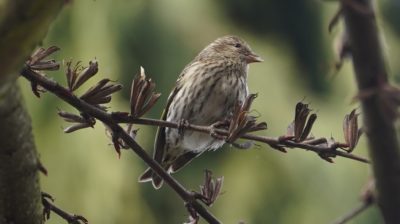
{"points": [[241, 122], [142, 96], [209, 192], [300, 128]]}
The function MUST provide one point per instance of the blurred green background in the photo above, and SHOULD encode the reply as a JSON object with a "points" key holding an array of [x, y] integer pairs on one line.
{"points": [[261, 185]]}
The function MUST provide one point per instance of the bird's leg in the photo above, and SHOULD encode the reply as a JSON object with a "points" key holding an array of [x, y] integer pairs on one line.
{"points": [[182, 125]]}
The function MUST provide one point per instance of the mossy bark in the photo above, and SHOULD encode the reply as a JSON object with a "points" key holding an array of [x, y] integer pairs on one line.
{"points": [[19, 181], [23, 24]]}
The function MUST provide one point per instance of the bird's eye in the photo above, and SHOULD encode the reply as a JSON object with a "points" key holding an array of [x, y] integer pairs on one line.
{"points": [[238, 45]]}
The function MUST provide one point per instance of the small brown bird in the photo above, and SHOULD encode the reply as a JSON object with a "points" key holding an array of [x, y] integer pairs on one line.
{"points": [[206, 92]]}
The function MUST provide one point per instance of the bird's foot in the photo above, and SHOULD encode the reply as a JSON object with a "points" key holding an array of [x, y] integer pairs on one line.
{"points": [[214, 134], [224, 124], [182, 124], [218, 125]]}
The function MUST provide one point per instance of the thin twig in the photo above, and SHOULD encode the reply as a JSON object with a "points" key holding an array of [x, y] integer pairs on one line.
{"points": [[108, 120], [51, 207], [367, 198], [272, 141], [353, 213]]}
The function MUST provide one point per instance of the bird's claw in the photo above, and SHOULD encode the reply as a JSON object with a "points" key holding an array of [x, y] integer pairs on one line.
{"points": [[217, 125], [224, 124], [214, 134], [182, 125]]}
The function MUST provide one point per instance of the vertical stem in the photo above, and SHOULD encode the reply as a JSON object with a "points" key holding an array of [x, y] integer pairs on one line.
{"points": [[20, 200], [371, 75], [23, 24]]}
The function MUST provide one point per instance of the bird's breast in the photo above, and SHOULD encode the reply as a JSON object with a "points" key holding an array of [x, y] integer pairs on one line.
{"points": [[204, 101], [214, 98]]}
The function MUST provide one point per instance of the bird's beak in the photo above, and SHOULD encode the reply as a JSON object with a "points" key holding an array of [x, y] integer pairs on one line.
{"points": [[253, 58]]}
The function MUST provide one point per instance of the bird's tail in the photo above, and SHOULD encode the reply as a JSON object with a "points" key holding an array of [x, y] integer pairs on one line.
{"points": [[150, 175]]}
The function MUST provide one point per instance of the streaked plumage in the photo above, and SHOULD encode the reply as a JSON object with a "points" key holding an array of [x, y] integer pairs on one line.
{"points": [[205, 92]]}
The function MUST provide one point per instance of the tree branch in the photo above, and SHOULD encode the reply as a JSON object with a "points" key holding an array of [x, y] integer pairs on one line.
{"points": [[119, 132], [353, 213], [314, 145], [371, 74], [49, 206], [19, 179], [368, 198]]}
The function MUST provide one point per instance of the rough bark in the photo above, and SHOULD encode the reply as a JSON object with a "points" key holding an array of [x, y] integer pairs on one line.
{"points": [[19, 180], [23, 24], [371, 74]]}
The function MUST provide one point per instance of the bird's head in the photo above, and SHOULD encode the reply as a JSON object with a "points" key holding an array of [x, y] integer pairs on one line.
{"points": [[232, 48]]}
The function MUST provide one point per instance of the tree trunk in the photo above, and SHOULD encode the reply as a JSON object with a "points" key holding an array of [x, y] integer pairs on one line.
{"points": [[19, 181], [23, 24], [372, 79]]}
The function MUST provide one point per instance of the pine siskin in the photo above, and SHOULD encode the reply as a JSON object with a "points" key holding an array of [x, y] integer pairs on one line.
{"points": [[206, 92]]}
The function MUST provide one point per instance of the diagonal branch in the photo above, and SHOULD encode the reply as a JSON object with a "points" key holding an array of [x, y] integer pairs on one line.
{"points": [[108, 120], [49, 206], [353, 213], [367, 199]]}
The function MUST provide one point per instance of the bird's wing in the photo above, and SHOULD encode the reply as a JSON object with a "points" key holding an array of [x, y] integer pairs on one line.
{"points": [[183, 160], [159, 145], [160, 142]]}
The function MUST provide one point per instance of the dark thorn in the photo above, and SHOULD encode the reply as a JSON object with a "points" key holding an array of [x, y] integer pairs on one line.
{"points": [[34, 87], [335, 19], [116, 144], [41, 168]]}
